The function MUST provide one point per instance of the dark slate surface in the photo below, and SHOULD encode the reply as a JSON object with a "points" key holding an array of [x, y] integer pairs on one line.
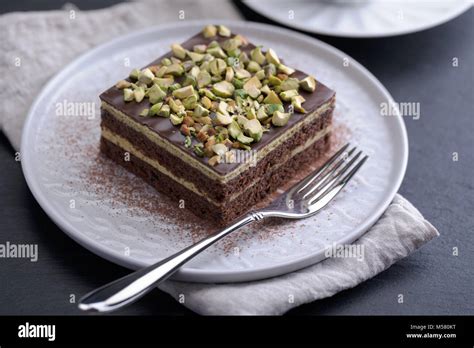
{"points": [[414, 68]]}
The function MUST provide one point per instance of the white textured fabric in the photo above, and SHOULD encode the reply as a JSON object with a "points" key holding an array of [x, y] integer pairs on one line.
{"points": [[42, 43]]}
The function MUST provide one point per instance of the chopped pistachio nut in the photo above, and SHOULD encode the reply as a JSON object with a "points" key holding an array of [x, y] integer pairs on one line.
{"points": [[272, 98], [254, 129], [139, 94], [296, 102], [123, 84], [217, 94], [272, 57], [128, 94], [224, 31], [178, 51], [257, 55], [156, 94], [223, 89], [308, 84], [134, 74], [175, 119], [285, 69], [280, 119], [145, 76], [287, 95], [155, 109], [183, 92], [209, 31]]}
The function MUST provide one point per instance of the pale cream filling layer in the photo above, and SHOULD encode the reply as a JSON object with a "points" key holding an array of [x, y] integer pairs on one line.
{"points": [[205, 169], [130, 148]]}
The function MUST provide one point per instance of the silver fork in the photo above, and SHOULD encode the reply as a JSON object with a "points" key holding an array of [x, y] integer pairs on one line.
{"points": [[304, 199]]}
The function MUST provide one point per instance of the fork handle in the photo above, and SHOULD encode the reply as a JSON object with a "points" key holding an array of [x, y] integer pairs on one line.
{"points": [[133, 286]]}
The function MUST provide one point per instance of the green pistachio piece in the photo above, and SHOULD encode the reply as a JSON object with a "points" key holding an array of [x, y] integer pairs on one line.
{"points": [[166, 61], [200, 111], [234, 129], [253, 66], [274, 81], [175, 105], [257, 55], [234, 53], [270, 70], [287, 95], [203, 79], [223, 89], [194, 71], [155, 109], [260, 74], [189, 80], [134, 74], [174, 87], [206, 102], [199, 150], [164, 111], [161, 71], [254, 129], [184, 92], [174, 69], [178, 51], [230, 45], [253, 82], [272, 57], [296, 102], [123, 84], [229, 74], [243, 58], [217, 66], [308, 84], [207, 93], [200, 48], [139, 94], [244, 139], [272, 98], [188, 141], [156, 94], [190, 102], [280, 119], [289, 84], [265, 89], [254, 92], [145, 76], [223, 120], [242, 120], [164, 82], [224, 31], [176, 120], [219, 149], [285, 69], [209, 31], [242, 73], [262, 114], [251, 114], [195, 57], [217, 52], [222, 107], [237, 83], [128, 94], [271, 108]]}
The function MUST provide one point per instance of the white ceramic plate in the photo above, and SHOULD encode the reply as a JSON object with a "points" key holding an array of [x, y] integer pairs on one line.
{"points": [[360, 18], [117, 216]]}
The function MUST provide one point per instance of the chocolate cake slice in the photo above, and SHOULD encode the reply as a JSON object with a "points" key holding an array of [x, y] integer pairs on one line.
{"points": [[217, 123]]}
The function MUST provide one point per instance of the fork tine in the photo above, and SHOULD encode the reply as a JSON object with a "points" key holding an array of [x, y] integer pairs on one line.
{"points": [[331, 173], [337, 183], [308, 180]]}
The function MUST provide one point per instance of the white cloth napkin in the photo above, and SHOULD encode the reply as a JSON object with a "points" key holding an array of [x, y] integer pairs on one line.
{"points": [[37, 45]]}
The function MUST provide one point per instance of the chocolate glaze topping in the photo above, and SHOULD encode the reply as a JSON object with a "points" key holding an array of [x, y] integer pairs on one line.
{"points": [[172, 134]]}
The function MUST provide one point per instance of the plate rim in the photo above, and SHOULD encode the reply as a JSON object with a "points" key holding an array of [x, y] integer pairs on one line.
{"points": [[297, 26], [190, 274]]}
